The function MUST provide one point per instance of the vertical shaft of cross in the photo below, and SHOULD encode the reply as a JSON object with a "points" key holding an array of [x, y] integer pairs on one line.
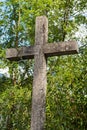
{"points": [[39, 82]]}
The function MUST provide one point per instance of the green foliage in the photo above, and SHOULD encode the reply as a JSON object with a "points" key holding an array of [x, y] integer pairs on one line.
{"points": [[15, 106], [66, 107], [67, 94]]}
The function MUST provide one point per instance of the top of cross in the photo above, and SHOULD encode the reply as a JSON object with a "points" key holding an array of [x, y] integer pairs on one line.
{"points": [[41, 37]]}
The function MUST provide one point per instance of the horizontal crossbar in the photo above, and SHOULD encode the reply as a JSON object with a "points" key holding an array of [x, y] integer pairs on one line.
{"points": [[50, 49]]}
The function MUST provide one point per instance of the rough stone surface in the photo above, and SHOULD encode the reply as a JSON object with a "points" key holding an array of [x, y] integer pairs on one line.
{"points": [[40, 51]]}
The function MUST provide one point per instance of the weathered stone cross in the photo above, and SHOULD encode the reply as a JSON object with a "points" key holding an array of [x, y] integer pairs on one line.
{"points": [[40, 51]]}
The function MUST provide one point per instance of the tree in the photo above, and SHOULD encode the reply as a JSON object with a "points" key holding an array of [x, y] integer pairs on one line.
{"points": [[66, 90]]}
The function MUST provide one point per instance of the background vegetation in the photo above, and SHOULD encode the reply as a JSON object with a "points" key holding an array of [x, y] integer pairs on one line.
{"points": [[66, 102]]}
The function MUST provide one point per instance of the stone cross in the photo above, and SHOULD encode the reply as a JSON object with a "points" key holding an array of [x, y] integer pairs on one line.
{"points": [[40, 51]]}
